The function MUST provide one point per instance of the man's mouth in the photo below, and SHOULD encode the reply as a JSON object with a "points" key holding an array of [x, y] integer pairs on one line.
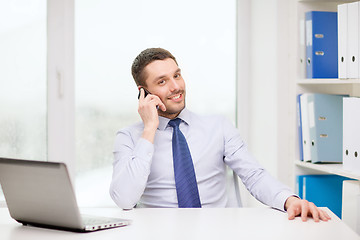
{"points": [[176, 97]]}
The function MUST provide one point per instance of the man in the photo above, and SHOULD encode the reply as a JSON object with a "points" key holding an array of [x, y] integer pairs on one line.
{"points": [[148, 155]]}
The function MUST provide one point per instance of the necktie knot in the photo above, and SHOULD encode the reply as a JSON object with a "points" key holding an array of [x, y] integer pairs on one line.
{"points": [[175, 122]]}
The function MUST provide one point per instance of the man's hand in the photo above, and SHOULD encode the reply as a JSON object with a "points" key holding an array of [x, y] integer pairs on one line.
{"points": [[149, 114], [298, 207]]}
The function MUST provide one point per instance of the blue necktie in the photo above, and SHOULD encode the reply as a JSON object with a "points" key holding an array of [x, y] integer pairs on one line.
{"points": [[185, 179]]}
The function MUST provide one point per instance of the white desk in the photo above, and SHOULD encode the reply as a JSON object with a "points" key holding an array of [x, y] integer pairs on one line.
{"points": [[187, 224]]}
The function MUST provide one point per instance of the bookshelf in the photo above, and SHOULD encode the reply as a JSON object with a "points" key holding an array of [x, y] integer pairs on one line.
{"points": [[329, 86]]}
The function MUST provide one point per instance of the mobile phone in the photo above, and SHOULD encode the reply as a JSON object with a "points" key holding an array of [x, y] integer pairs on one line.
{"points": [[146, 92]]}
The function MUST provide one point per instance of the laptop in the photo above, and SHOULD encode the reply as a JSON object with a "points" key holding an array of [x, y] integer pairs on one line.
{"points": [[41, 194]]}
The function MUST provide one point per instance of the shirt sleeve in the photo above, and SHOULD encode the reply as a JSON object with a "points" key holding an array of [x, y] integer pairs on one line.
{"points": [[131, 168], [256, 179]]}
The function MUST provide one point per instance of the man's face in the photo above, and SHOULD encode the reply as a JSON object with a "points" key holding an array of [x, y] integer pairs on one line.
{"points": [[163, 78]]}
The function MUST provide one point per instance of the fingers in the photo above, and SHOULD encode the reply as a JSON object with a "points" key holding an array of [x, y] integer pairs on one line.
{"points": [[161, 105], [291, 213], [152, 102], [153, 99], [141, 93], [314, 211], [317, 213], [324, 216], [304, 210], [309, 209]]}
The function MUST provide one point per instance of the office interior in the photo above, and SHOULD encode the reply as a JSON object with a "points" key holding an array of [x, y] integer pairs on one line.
{"points": [[66, 85]]}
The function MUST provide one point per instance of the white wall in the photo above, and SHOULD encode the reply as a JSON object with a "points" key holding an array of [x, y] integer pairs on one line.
{"points": [[269, 84], [263, 129]]}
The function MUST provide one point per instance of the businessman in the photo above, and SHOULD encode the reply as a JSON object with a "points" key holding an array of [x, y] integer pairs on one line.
{"points": [[176, 158]]}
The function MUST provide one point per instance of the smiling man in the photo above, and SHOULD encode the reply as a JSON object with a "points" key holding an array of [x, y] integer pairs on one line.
{"points": [[176, 158]]}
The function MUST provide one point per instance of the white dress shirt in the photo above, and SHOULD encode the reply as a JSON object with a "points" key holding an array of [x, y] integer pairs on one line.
{"points": [[143, 173]]}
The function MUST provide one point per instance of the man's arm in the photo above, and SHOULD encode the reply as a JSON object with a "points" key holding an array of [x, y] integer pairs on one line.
{"points": [[133, 155], [298, 207], [261, 185], [131, 168], [256, 179]]}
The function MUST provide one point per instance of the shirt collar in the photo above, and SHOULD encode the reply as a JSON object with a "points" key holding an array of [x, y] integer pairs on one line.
{"points": [[184, 115]]}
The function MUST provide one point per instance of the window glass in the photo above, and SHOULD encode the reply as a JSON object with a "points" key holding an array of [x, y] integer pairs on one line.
{"points": [[23, 79], [109, 34]]}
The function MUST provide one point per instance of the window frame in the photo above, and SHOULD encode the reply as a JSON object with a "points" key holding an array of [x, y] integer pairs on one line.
{"points": [[61, 83]]}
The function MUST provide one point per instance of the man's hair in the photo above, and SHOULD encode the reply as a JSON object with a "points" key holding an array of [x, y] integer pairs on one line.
{"points": [[145, 58]]}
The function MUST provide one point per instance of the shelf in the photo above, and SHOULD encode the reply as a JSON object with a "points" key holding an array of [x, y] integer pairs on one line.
{"points": [[326, 1], [330, 168], [321, 81]]}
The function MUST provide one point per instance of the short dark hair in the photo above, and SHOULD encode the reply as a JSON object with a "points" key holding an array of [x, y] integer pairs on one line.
{"points": [[143, 59]]}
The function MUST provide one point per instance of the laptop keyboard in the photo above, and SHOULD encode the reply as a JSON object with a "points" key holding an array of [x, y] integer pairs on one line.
{"points": [[94, 220]]}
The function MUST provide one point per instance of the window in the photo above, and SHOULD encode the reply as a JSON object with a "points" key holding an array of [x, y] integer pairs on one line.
{"points": [[23, 79], [109, 34]]}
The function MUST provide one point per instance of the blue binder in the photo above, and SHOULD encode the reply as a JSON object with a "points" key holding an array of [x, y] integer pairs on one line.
{"points": [[321, 44], [322, 190], [298, 108], [326, 127]]}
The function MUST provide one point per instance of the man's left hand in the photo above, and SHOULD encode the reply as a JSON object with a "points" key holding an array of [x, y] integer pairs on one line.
{"points": [[298, 207]]}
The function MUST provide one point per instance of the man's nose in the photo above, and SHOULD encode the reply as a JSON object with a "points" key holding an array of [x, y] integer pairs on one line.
{"points": [[174, 85]]}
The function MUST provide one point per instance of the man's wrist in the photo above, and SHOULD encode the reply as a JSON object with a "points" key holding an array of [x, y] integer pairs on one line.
{"points": [[149, 134]]}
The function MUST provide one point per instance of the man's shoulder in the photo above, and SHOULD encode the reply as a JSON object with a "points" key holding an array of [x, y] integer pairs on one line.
{"points": [[213, 122], [133, 128], [209, 118]]}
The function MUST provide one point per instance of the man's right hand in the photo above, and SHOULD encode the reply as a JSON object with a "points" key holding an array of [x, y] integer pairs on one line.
{"points": [[149, 114]]}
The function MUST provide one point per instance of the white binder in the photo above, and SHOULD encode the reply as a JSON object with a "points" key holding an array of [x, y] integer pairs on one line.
{"points": [[342, 40], [302, 52], [305, 127], [351, 204], [351, 134], [353, 40]]}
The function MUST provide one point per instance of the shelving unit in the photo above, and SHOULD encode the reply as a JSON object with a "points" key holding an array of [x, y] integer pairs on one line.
{"points": [[334, 168], [327, 81], [330, 86]]}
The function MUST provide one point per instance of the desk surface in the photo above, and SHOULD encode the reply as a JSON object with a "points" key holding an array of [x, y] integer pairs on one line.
{"points": [[187, 224]]}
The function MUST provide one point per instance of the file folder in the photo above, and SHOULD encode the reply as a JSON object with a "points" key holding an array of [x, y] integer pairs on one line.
{"points": [[326, 127], [321, 44], [342, 40], [353, 40], [322, 190], [302, 48], [298, 108], [351, 134], [351, 207], [305, 128]]}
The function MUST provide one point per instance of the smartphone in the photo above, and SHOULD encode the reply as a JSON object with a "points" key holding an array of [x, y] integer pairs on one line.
{"points": [[146, 92]]}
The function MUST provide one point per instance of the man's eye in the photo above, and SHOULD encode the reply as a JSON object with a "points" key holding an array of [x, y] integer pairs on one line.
{"points": [[177, 75], [161, 82]]}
